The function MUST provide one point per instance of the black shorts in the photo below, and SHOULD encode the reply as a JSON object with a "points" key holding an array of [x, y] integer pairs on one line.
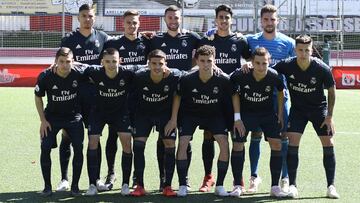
{"points": [[267, 122], [144, 123], [118, 121], [299, 118], [74, 128], [87, 95], [216, 125]]}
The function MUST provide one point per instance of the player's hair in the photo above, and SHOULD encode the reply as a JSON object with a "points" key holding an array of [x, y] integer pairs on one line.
{"points": [[172, 8], [260, 51], [131, 13], [268, 8], [157, 53], [223, 8], [109, 51], [64, 51], [303, 39], [86, 7], [205, 50]]}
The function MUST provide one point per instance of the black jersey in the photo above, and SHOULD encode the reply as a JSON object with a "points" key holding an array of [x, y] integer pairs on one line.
{"points": [[306, 87], [256, 96], [178, 49], [86, 49], [203, 99], [229, 51], [111, 92], [131, 51], [155, 98], [62, 93]]}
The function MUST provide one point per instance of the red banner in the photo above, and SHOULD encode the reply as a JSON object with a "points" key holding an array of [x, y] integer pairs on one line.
{"points": [[20, 75], [347, 77]]}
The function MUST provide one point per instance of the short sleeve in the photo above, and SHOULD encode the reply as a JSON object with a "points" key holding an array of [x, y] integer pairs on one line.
{"points": [[40, 86]]}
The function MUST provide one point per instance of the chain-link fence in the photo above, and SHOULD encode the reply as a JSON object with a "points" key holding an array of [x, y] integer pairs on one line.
{"points": [[29, 25]]}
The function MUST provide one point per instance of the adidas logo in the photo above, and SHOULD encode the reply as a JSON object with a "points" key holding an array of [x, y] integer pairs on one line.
{"points": [[292, 76], [163, 45], [122, 48], [78, 46], [101, 84], [194, 90], [55, 87], [247, 87], [146, 88]]}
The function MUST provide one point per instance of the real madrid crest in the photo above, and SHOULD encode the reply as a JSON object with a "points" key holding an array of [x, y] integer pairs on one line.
{"points": [[75, 83], [313, 80], [267, 89], [97, 43], [184, 43], [233, 48], [141, 46], [122, 82], [216, 90], [166, 88]]}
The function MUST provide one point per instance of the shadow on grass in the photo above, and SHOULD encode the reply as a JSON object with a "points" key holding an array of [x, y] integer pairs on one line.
{"points": [[153, 196]]}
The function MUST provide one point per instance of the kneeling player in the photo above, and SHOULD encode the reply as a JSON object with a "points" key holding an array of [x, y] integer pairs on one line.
{"points": [[254, 102], [62, 112], [154, 93], [201, 93]]}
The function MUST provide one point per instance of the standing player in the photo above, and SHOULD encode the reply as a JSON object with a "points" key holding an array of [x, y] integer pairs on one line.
{"points": [[307, 77], [178, 47], [133, 49], [253, 107], [62, 112], [200, 94], [230, 48], [86, 43], [154, 94], [280, 47], [112, 84]]}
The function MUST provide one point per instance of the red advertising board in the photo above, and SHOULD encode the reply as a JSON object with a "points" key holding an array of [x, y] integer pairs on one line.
{"points": [[347, 77], [20, 75]]}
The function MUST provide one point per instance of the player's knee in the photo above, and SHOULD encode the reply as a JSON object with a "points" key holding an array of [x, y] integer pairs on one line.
{"points": [[93, 142], [238, 146], [327, 141], [169, 143], [208, 135], [275, 144]]}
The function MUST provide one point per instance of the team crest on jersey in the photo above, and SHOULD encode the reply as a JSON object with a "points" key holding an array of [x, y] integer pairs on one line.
{"points": [[141, 46], [37, 88], [216, 90], [184, 43], [75, 83], [166, 88], [122, 82], [267, 89], [233, 48], [97, 43], [313, 81]]}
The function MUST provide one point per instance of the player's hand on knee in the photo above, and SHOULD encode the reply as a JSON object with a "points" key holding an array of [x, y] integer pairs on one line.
{"points": [[170, 126], [330, 128], [239, 127], [44, 126]]}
